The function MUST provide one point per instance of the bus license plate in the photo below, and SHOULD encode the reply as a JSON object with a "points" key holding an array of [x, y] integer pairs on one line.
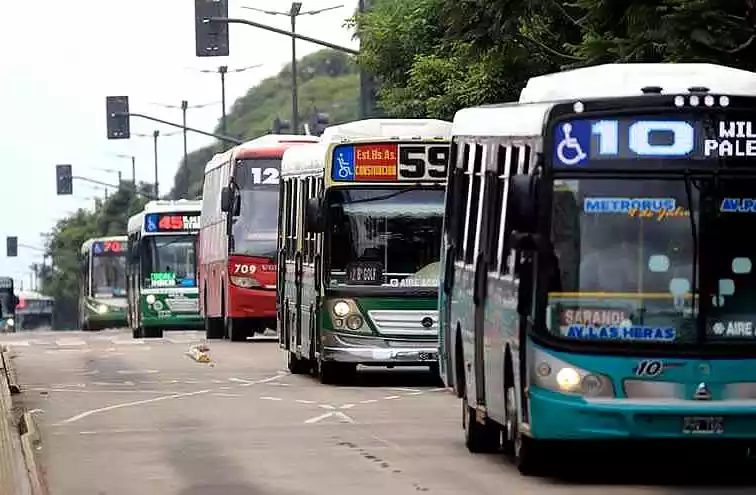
{"points": [[703, 425]]}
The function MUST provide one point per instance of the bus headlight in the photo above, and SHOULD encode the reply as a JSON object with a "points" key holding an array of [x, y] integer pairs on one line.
{"points": [[245, 283], [341, 309], [150, 299], [554, 374], [10, 322], [102, 309], [354, 322], [157, 306]]}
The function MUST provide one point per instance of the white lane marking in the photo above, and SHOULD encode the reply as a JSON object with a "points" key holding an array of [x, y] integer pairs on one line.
{"points": [[68, 351], [347, 406], [369, 401], [70, 342], [440, 389], [391, 397], [222, 394], [99, 391], [302, 401], [405, 389], [335, 414], [270, 398], [91, 412], [223, 388], [247, 383], [137, 372], [326, 406], [117, 341], [415, 393], [11, 343]]}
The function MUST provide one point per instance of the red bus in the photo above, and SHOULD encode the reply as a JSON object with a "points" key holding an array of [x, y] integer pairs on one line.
{"points": [[237, 241]]}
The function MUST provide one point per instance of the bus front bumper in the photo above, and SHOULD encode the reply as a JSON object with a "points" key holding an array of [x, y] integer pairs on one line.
{"points": [[251, 303], [373, 351], [556, 416]]}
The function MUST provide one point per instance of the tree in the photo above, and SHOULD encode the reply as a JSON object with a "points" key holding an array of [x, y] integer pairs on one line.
{"points": [[434, 57]]}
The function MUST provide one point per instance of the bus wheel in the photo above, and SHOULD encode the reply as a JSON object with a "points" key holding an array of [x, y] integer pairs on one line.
{"points": [[480, 438], [152, 332], [214, 328], [297, 365], [235, 329], [333, 373], [524, 450], [136, 332]]}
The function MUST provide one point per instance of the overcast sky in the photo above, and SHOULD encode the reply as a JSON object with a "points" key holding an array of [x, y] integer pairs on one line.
{"points": [[64, 57]]}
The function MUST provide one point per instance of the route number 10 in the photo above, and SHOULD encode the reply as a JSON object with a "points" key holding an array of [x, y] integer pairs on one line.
{"points": [[682, 134]]}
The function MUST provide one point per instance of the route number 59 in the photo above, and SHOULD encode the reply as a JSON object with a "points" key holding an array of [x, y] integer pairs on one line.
{"points": [[423, 162]]}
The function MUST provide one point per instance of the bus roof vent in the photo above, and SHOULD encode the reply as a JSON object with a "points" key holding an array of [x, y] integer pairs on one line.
{"points": [[388, 129], [622, 80], [698, 89], [651, 90]]}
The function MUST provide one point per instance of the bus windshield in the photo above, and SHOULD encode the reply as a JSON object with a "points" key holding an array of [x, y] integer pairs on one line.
{"points": [[109, 276], [385, 236], [625, 261], [255, 229], [171, 261]]}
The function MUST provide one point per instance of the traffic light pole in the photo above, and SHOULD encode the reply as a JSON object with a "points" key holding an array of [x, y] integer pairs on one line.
{"points": [[220, 137], [87, 179]]}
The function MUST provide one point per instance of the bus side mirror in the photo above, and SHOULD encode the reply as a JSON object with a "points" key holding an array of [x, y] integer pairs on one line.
{"points": [[313, 215], [226, 199], [16, 300]]}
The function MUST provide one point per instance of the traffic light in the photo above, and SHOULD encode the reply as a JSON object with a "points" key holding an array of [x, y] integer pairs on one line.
{"points": [[281, 126], [63, 179], [211, 38], [318, 122], [117, 108], [11, 246]]}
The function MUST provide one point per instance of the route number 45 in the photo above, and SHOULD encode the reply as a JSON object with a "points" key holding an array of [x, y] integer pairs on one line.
{"points": [[423, 162]]}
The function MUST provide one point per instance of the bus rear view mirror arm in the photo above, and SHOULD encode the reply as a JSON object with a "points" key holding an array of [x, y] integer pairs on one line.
{"points": [[313, 215]]}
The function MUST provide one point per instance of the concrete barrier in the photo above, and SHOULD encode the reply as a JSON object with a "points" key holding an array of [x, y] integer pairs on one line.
{"points": [[14, 478]]}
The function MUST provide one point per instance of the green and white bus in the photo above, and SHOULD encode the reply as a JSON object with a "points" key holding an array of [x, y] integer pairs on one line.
{"points": [[162, 268], [359, 245], [597, 285], [102, 289]]}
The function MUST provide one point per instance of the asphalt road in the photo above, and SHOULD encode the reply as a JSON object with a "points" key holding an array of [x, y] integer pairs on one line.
{"points": [[123, 416]]}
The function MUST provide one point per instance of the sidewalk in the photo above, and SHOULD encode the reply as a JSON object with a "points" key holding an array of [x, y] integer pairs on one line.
{"points": [[14, 479]]}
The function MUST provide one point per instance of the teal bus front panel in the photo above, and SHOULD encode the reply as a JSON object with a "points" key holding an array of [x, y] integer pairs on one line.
{"points": [[650, 398]]}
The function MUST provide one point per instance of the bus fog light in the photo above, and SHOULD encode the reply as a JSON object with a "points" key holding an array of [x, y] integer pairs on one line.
{"points": [[102, 309], [544, 369], [354, 322], [338, 323], [10, 322], [568, 378], [157, 306], [341, 309], [592, 385], [150, 299]]}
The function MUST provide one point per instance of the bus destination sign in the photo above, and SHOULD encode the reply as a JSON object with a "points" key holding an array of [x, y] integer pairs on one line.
{"points": [[608, 142], [171, 222], [390, 162], [100, 248]]}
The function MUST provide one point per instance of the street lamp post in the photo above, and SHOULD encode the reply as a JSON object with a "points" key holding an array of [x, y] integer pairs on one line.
{"points": [[184, 107], [133, 167], [155, 135], [293, 13], [223, 70]]}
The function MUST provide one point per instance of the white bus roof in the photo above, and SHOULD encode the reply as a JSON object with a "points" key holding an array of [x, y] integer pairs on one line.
{"points": [[526, 118], [87, 245], [616, 80], [266, 141], [305, 159], [163, 206], [32, 295], [394, 129]]}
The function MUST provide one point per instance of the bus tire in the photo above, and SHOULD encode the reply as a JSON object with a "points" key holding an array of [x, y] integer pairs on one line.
{"points": [[152, 332], [235, 329], [526, 452], [334, 373], [297, 365], [213, 328], [136, 333]]}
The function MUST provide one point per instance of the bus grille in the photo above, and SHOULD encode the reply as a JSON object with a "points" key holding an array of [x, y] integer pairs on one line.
{"points": [[183, 305], [405, 322]]}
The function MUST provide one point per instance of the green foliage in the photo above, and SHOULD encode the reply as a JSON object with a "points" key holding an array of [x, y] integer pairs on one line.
{"points": [[61, 278], [327, 82], [434, 57]]}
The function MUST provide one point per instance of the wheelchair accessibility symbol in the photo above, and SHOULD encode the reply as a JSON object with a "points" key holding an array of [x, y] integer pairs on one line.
{"points": [[343, 163], [574, 140]]}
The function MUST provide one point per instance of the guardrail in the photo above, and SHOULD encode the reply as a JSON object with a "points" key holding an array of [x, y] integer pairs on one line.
{"points": [[15, 473]]}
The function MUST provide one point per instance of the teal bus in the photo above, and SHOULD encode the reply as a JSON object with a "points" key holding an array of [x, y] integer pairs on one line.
{"points": [[162, 268], [596, 282], [102, 287], [359, 244]]}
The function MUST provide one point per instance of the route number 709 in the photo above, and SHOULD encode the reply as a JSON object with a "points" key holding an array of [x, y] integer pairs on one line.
{"points": [[423, 162]]}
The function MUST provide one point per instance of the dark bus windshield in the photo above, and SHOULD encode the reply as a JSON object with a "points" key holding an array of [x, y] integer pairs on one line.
{"points": [[255, 229], [109, 275], [625, 261], [171, 261], [389, 237]]}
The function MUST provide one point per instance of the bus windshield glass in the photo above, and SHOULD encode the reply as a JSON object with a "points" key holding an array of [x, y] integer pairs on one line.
{"points": [[624, 261], [385, 236], [109, 275], [171, 261], [255, 229]]}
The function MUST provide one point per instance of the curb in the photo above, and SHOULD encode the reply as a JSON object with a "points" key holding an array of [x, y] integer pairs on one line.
{"points": [[10, 372], [14, 477], [30, 439]]}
